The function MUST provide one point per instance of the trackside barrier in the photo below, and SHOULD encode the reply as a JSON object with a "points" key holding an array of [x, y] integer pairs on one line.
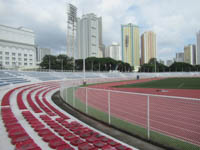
{"points": [[146, 115]]}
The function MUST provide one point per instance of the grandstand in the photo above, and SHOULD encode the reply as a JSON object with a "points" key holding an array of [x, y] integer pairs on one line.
{"points": [[31, 120]]}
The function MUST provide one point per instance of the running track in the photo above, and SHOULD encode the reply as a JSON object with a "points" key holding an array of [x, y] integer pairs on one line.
{"points": [[174, 117]]}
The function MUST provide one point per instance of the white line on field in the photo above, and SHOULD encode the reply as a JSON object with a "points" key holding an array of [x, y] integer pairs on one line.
{"points": [[181, 85]]}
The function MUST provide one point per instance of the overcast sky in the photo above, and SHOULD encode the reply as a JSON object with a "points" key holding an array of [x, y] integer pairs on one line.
{"points": [[174, 21]]}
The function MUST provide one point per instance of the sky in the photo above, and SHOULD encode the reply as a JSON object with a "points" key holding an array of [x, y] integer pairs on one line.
{"points": [[175, 22]]}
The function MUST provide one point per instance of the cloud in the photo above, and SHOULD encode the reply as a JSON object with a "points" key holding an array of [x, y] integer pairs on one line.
{"points": [[174, 21]]}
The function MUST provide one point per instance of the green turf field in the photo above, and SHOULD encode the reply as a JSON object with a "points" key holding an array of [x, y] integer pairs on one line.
{"points": [[168, 83]]}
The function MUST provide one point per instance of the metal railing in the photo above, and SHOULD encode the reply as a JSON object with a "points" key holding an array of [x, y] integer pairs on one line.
{"points": [[154, 117]]}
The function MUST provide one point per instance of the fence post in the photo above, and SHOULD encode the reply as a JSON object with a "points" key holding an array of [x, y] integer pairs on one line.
{"points": [[73, 96], [86, 94], [148, 117], [109, 107], [66, 94]]}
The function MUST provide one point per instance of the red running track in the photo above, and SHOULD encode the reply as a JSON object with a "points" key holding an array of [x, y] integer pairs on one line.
{"points": [[179, 118]]}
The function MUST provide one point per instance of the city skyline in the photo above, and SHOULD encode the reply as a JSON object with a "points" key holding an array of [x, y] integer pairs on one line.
{"points": [[175, 23]]}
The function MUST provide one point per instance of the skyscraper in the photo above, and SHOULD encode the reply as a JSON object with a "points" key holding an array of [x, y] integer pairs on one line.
{"points": [[198, 48], [148, 46], [130, 44], [190, 54], [89, 36]]}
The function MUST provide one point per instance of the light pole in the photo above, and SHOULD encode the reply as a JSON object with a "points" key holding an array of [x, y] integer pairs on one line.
{"points": [[92, 66], [62, 65], [49, 63], [99, 67]]}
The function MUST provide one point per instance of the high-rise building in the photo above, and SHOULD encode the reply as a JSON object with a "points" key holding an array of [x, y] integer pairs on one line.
{"points": [[190, 54], [130, 45], [89, 36], [148, 46], [198, 49], [41, 52], [179, 57], [114, 51], [17, 47]]}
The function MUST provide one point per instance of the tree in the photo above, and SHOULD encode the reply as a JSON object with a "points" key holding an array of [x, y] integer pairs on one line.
{"points": [[153, 66], [102, 64], [57, 62], [181, 66]]}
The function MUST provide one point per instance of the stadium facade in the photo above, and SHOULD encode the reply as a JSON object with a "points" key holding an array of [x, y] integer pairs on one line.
{"points": [[17, 47]]}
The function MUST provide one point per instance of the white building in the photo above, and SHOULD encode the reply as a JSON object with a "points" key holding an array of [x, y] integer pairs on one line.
{"points": [[190, 54], [41, 52], [17, 47], [169, 62], [89, 36], [179, 57], [114, 51], [198, 49]]}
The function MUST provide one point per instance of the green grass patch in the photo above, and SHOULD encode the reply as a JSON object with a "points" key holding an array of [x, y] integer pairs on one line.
{"points": [[168, 141], [168, 83]]}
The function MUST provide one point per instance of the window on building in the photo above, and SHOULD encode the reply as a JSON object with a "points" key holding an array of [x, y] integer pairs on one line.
{"points": [[7, 53], [13, 54], [13, 58], [7, 58], [1, 62], [7, 63], [1, 57], [25, 64], [30, 64], [25, 55], [13, 63], [30, 55], [19, 54], [25, 59], [30, 59], [19, 63], [19, 59], [1, 52]]}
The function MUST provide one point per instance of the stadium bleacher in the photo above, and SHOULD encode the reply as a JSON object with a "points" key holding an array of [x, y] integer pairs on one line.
{"points": [[31, 120]]}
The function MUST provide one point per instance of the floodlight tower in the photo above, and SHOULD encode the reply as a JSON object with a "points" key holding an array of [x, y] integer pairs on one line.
{"points": [[71, 30]]}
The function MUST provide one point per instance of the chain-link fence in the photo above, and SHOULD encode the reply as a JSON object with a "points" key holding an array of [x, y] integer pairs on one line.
{"points": [[171, 121]]}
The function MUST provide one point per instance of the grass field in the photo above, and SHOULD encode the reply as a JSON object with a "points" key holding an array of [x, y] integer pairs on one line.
{"points": [[168, 83]]}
